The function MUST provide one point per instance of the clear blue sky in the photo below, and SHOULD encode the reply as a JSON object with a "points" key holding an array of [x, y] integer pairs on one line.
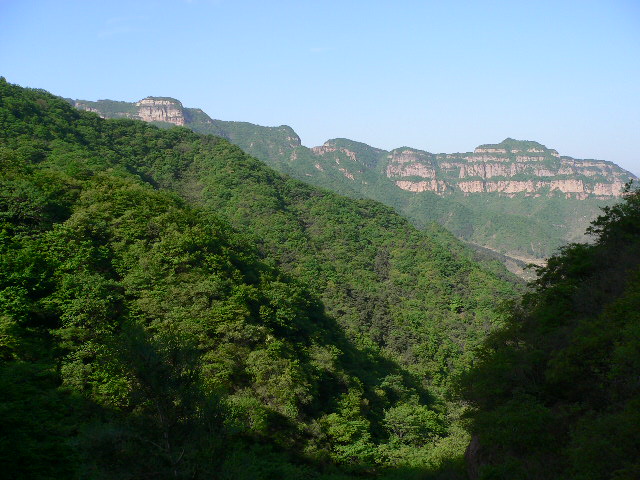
{"points": [[443, 76]]}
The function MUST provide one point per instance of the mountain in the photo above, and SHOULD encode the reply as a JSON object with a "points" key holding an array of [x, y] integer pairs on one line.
{"points": [[518, 199], [170, 307], [174, 308]]}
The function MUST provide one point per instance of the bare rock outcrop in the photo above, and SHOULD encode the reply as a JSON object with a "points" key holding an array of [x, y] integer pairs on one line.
{"points": [[437, 186], [88, 108], [329, 147], [168, 110], [511, 168]]}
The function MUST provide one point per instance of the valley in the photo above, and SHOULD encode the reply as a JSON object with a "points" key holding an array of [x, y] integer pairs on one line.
{"points": [[517, 198], [172, 307]]}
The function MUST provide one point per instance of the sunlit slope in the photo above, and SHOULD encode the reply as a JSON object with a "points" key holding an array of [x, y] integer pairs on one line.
{"points": [[173, 305], [518, 198]]}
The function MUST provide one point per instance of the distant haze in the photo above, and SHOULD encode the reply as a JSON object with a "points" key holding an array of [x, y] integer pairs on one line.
{"points": [[440, 76]]}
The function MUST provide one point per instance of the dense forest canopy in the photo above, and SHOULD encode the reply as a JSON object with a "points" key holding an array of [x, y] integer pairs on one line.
{"points": [[556, 393], [170, 307]]}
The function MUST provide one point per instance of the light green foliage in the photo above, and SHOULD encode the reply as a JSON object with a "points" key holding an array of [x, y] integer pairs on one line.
{"points": [[533, 227], [350, 432], [412, 424], [179, 310]]}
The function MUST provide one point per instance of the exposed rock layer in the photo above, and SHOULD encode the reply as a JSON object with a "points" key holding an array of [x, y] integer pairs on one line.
{"points": [[150, 109], [161, 110], [510, 168]]}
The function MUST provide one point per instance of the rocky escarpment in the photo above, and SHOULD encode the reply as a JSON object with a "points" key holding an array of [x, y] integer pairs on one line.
{"points": [[168, 110], [150, 109], [510, 168]]}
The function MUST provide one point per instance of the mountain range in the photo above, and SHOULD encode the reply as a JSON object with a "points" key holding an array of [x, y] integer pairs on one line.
{"points": [[172, 307], [223, 319], [517, 200]]}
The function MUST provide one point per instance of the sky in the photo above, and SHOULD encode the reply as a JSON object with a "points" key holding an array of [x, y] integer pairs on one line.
{"points": [[442, 76]]}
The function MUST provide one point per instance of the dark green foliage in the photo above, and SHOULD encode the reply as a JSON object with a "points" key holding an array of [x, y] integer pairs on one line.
{"points": [[556, 391], [175, 309], [34, 417]]}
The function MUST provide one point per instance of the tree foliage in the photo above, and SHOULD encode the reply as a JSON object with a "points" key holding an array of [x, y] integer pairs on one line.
{"points": [[172, 308], [555, 393]]}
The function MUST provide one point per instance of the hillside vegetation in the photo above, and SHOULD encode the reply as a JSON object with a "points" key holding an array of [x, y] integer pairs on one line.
{"points": [[170, 307], [173, 308], [556, 393], [517, 198]]}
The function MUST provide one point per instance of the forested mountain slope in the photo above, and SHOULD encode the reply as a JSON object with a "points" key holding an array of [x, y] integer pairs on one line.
{"points": [[173, 308], [518, 198], [556, 393]]}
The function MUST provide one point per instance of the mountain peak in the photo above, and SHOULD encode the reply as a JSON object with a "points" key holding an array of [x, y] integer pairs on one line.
{"points": [[152, 99], [511, 145]]}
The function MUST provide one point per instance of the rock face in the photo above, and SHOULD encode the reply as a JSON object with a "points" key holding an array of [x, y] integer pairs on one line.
{"points": [[473, 458], [328, 147], [509, 168], [168, 110], [150, 109]]}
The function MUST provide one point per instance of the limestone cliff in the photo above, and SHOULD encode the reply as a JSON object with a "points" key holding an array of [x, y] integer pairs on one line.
{"points": [[150, 109], [510, 168], [154, 109]]}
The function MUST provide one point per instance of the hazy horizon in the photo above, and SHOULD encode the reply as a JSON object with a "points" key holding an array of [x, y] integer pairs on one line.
{"points": [[434, 76]]}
